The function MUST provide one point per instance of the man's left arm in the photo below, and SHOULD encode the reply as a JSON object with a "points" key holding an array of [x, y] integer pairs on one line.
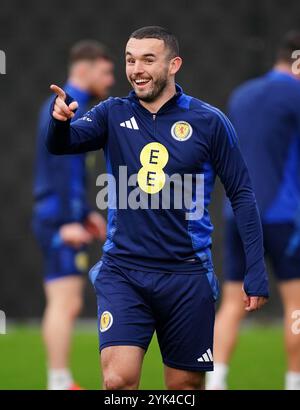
{"points": [[231, 168]]}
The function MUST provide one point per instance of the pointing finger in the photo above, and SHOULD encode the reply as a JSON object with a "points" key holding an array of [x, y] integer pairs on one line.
{"points": [[59, 91]]}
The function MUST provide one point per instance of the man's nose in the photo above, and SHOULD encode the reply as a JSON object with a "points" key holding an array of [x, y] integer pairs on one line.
{"points": [[138, 67]]}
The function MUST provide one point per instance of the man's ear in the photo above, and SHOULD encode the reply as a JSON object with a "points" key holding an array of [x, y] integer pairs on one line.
{"points": [[175, 65]]}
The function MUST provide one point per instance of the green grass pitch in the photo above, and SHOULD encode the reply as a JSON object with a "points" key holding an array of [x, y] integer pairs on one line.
{"points": [[258, 362]]}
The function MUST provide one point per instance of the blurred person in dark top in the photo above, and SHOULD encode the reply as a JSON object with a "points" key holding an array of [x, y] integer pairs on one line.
{"points": [[63, 221], [265, 112]]}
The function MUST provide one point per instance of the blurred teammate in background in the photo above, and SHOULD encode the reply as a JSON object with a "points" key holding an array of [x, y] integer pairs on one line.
{"points": [[266, 114], [63, 221]]}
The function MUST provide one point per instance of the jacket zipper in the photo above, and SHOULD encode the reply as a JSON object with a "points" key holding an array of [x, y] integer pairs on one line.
{"points": [[154, 124]]}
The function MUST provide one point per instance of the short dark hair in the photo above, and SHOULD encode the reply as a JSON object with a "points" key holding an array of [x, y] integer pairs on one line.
{"points": [[159, 33], [90, 50], [289, 43]]}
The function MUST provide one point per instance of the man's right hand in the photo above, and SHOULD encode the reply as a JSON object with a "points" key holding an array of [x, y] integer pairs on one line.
{"points": [[75, 235], [62, 111]]}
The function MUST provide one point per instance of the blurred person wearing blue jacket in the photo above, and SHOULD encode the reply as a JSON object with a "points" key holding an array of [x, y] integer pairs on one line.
{"points": [[265, 111], [63, 221]]}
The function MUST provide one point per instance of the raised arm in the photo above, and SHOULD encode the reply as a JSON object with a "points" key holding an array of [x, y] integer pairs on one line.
{"points": [[88, 133], [231, 168]]}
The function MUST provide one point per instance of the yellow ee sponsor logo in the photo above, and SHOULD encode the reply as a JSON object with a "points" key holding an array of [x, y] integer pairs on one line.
{"points": [[106, 321], [151, 177], [181, 130]]}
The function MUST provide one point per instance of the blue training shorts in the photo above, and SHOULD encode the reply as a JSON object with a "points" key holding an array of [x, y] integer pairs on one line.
{"points": [[60, 260], [132, 304]]}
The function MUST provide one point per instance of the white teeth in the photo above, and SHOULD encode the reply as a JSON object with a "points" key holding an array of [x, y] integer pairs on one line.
{"points": [[141, 81]]}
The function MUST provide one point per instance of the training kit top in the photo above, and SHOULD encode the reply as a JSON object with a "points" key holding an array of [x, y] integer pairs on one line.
{"points": [[172, 154]]}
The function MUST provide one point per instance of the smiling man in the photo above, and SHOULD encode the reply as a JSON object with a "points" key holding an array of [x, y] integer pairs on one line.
{"points": [[149, 75], [156, 273]]}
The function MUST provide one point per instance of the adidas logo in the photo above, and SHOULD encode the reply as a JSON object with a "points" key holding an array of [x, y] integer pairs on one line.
{"points": [[131, 124], [206, 357]]}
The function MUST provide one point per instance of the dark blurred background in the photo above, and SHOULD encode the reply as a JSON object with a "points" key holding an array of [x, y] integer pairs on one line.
{"points": [[222, 43]]}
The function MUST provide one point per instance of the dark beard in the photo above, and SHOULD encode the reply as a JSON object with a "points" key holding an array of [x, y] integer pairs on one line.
{"points": [[158, 88]]}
